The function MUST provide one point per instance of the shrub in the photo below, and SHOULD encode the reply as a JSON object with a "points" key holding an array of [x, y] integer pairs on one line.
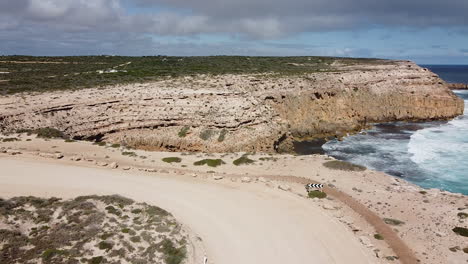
{"points": [[69, 140], [48, 132], [10, 139], [115, 146], [105, 245], [343, 165], [222, 135], [206, 134], [243, 160], [422, 192], [183, 131], [378, 237], [462, 215], [395, 222], [461, 231], [172, 159], [172, 255], [96, 260], [209, 162], [129, 153], [51, 252], [100, 143], [317, 194], [465, 250]]}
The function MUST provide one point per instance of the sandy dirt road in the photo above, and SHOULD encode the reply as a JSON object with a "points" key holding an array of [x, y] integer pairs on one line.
{"points": [[237, 225]]}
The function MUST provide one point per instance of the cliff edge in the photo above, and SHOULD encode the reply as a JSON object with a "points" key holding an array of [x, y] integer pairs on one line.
{"points": [[244, 112]]}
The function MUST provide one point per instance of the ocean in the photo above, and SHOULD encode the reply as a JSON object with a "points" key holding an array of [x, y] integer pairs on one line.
{"points": [[431, 154]]}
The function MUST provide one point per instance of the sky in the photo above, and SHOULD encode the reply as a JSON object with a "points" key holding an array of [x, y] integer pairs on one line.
{"points": [[425, 31]]}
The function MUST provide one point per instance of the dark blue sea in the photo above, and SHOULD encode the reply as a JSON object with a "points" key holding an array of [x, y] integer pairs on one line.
{"points": [[431, 155]]}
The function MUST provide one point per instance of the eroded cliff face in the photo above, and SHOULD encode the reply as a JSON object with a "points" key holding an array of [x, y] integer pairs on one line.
{"points": [[238, 112]]}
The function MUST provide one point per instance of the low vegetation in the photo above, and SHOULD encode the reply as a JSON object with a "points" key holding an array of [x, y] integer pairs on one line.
{"points": [[462, 215], [461, 231], [317, 194], [129, 153], [10, 139], [209, 162], [36, 230], [343, 165], [29, 74], [394, 222], [183, 132], [378, 237], [48, 132], [244, 160], [207, 134], [172, 160], [222, 135]]}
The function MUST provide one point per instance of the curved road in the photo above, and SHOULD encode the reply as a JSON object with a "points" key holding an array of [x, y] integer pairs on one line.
{"points": [[249, 225]]}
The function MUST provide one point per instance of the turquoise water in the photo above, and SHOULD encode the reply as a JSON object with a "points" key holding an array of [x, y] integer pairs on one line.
{"points": [[432, 154]]}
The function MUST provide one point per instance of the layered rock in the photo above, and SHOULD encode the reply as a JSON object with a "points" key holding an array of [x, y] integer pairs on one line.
{"points": [[458, 86], [238, 112]]}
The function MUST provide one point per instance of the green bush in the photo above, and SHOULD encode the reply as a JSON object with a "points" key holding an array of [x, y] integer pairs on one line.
{"points": [[317, 194], [105, 245], [461, 231], [115, 146], [48, 132], [100, 143], [209, 162], [343, 165], [183, 131], [96, 260], [172, 159], [51, 252], [243, 160]]}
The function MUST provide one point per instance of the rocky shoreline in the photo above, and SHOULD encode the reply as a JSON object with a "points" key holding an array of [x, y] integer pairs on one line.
{"points": [[230, 113]]}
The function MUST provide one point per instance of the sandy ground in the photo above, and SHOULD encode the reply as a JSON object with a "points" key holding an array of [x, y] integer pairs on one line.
{"points": [[236, 225], [256, 221]]}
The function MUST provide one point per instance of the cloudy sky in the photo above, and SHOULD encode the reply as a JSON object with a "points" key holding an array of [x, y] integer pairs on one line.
{"points": [[427, 31]]}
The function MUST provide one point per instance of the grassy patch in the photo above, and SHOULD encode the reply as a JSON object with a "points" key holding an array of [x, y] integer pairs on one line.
{"points": [[96, 260], [378, 237], [79, 72], [222, 135], [461, 231], [391, 221], [343, 165], [172, 255], [317, 194], [69, 140], [172, 160], [183, 132], [209, 162], [100, 143], [244, 160], [115, 145]]}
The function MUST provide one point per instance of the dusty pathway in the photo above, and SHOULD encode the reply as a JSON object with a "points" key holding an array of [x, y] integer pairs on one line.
{"points": [[248, 225]]}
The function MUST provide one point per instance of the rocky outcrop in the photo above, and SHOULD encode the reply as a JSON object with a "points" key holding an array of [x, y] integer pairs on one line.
{"points": [[458, 86], [238, 112]]}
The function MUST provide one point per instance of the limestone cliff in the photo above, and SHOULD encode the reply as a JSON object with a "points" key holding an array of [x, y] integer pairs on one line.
{"points": [[238, 112]]}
